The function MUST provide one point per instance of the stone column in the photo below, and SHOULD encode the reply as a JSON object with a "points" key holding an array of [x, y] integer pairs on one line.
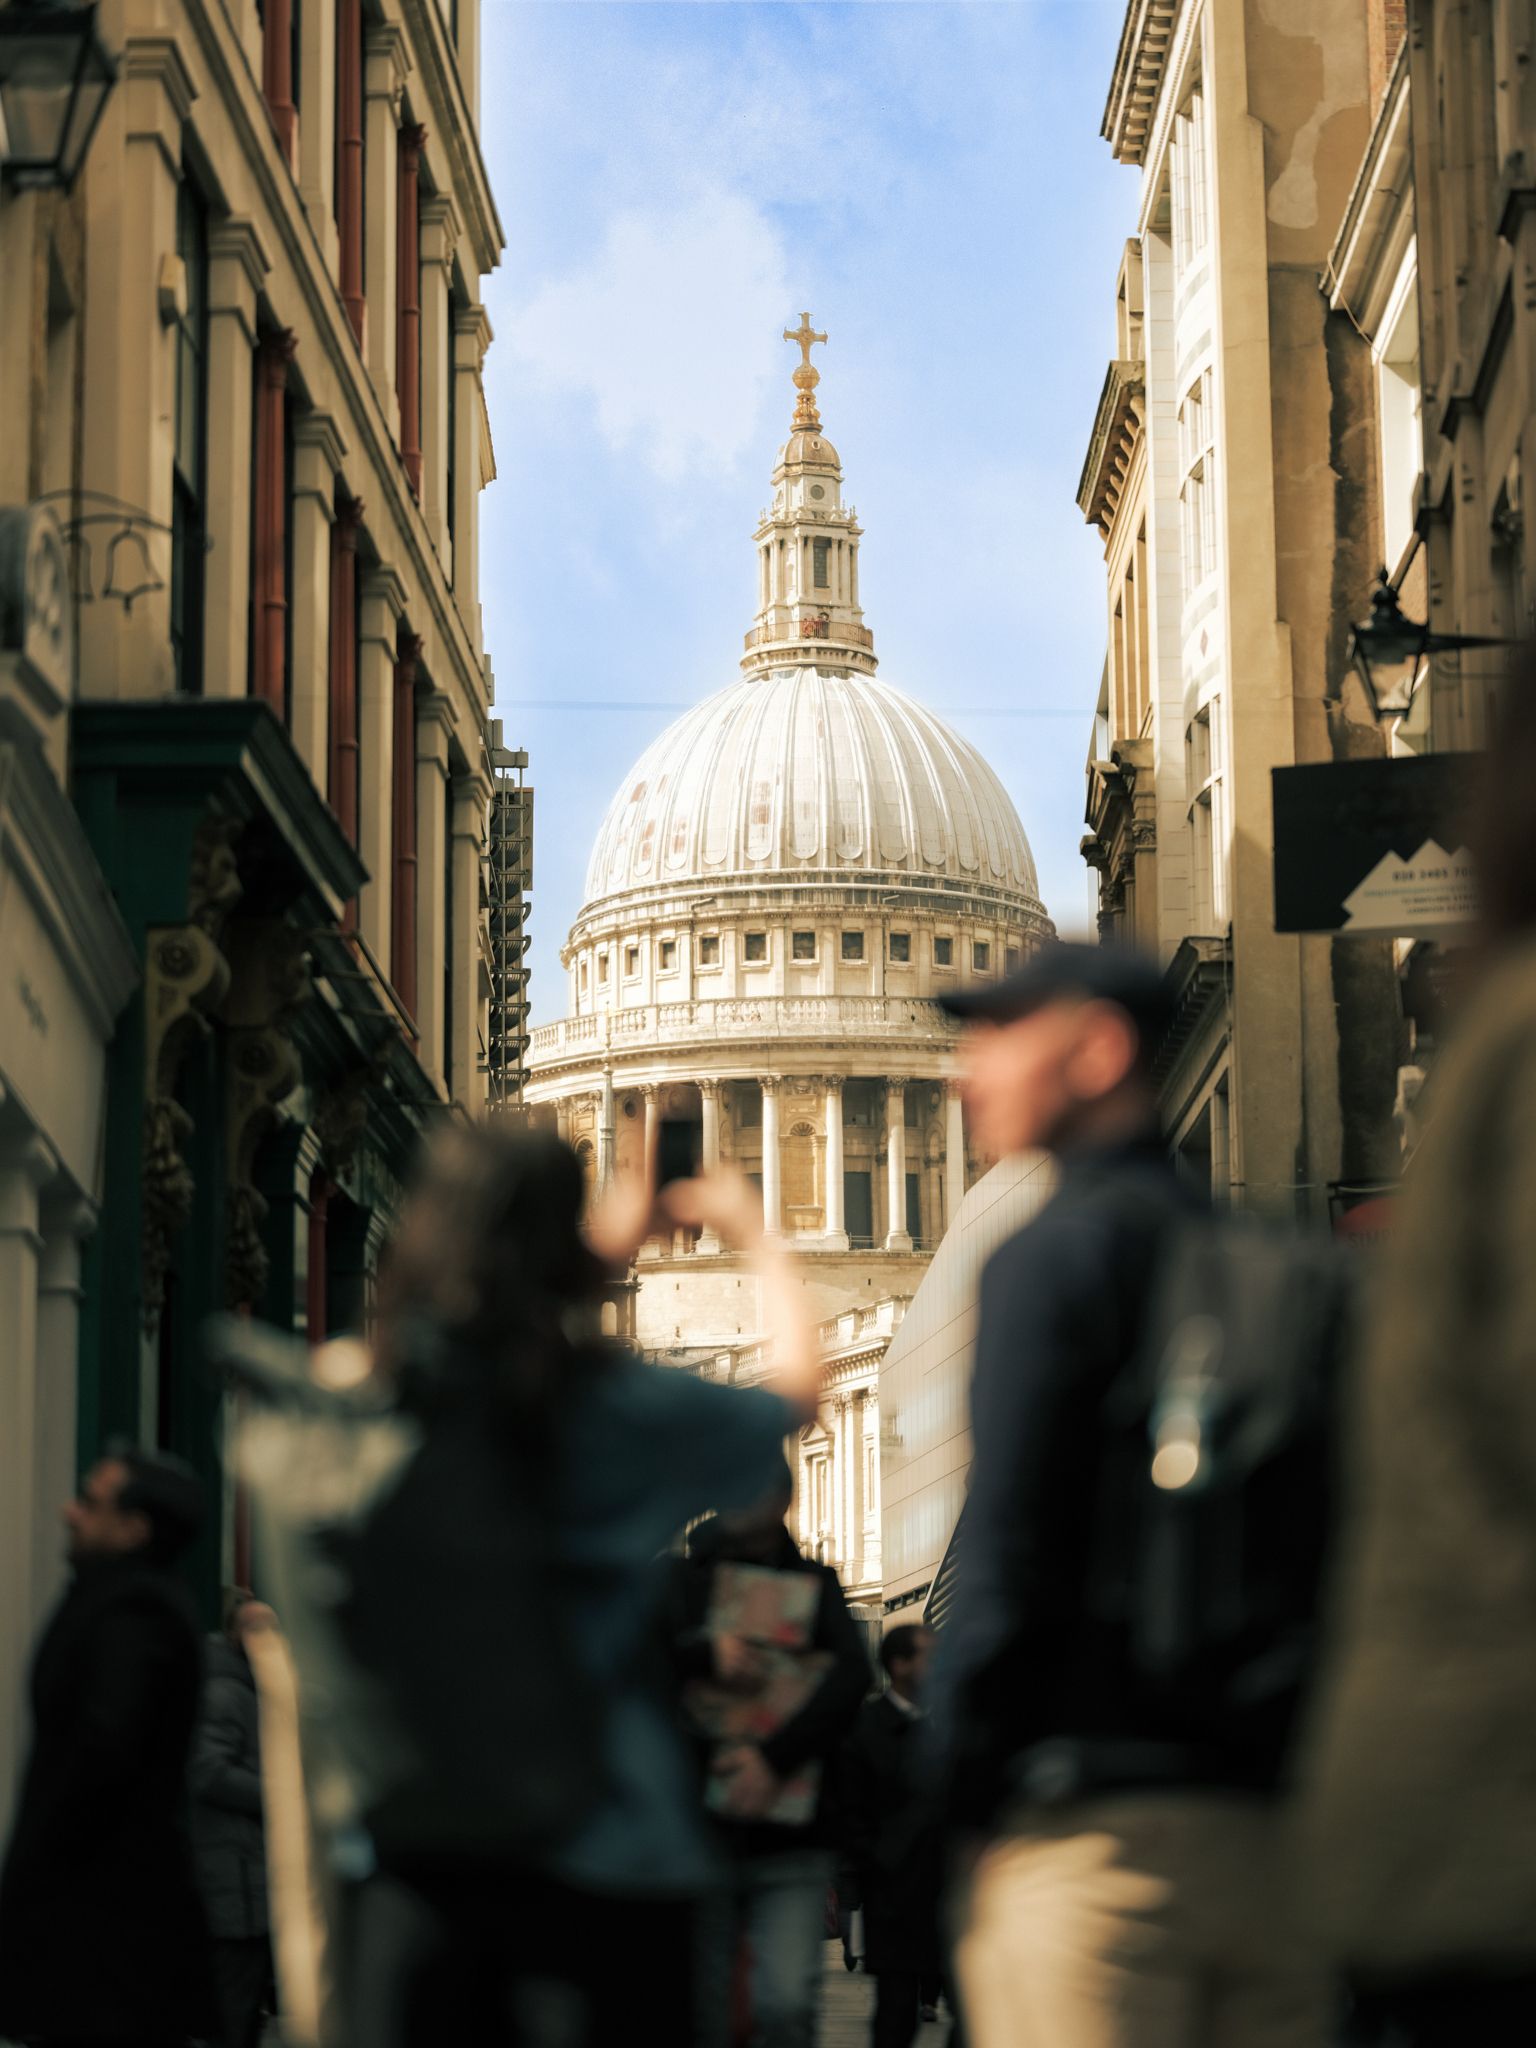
{"points": [[349, 163], [383, 602], [605, 1131], [65, 1226], [412, 141], [954, 1152], [439, 237], [650, 1095], [383, 80], [26, 1163], [856, 1484], [269, 609], [317, 131], [318, 452], [471, 338], [709, 1093], [434, 721], [237, 271], [835, 1236], [467, 805], [897, 1238], [563, 1119], [403, 891], [772, 1216]]}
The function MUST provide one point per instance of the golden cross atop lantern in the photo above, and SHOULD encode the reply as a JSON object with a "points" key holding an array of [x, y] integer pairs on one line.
{"points": [[807, 419]]}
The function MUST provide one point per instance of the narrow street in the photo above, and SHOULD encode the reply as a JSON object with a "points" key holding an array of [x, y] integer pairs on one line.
{"points": [[849, 2003]]}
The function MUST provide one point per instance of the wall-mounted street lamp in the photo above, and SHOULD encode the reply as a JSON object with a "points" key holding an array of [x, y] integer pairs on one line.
{"points": [[55, 75], [1391, 653]]}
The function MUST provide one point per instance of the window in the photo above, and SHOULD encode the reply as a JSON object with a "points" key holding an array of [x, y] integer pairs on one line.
{"points": [[756, 946], [1011, 960], [709, 950], [981, 955], [1189, 184], [803, 946], [631, 962], [853, 945], [819, 576], [188, 552], [901, 946], [602, 967], [583, 977], [668, 955], [943, 952], [1197, 467], [1203, 768]]}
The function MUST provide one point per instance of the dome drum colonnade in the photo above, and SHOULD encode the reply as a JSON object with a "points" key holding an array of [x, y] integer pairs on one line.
{"points": [[787, 881]]}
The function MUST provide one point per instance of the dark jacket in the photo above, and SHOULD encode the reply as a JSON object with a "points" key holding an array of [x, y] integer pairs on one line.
{"points": [[892, 1838], [101, 1934], [818, 1730], [225, 1781], [1023, 1657]]}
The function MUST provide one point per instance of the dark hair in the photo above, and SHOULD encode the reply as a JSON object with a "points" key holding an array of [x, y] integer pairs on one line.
{"points": [[901, 1645], [165, 1490], [491, 1267]]}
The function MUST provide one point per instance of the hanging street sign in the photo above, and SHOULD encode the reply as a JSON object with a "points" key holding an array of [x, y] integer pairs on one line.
{"points": [[1374, 849]]}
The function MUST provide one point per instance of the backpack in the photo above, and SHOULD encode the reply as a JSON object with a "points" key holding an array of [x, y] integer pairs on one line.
{"points": [[410, 1560], [1217, 1488]]}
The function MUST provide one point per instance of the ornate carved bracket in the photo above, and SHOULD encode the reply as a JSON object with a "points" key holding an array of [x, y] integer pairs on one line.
{"points": [[269, 982], [185, 979]]}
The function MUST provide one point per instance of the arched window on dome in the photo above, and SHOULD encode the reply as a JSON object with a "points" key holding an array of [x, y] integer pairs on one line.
{"points": [[820, 575]]}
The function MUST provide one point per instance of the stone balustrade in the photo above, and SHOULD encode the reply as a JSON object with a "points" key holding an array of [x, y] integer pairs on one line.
{"points": [[718, 1020]]}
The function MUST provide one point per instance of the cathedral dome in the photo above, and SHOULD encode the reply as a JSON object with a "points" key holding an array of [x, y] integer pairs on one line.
{"points": [[810, 771]]}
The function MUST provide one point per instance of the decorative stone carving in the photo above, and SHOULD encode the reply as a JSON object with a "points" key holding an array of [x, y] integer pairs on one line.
{"points": [[269, 982], [37, 635], [185, 980]]}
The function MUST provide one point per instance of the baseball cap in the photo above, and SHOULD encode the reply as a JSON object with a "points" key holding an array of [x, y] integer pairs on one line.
{"points": [[1110, 974]]}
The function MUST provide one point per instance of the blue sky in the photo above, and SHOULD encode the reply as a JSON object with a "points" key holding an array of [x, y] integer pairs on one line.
{"points": [[677, 183]]}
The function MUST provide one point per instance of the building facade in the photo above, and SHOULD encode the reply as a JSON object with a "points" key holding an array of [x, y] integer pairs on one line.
{"points": [[1233, 474], [784, 885], [244, 697]]}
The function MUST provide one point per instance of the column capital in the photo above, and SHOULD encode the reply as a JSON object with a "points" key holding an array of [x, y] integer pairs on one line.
{"points": [[954, 1088], [832, 1084], [648, 1090], [277, 351], [770, 1083], [895, 1083]]}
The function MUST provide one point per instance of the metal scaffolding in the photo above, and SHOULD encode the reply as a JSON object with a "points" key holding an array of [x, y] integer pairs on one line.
{"points": [[509, 879]]}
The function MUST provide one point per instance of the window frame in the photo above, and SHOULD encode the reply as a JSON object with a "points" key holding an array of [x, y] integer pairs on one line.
{"points": [[981, 956], [855, 958], [707, 962], [664, 948], [903, 959], [634, 962], [751, 959], [947, 959], [795, 954]]}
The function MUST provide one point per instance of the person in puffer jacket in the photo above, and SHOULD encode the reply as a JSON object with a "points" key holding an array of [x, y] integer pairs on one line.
{"points": [[228, 1844]]}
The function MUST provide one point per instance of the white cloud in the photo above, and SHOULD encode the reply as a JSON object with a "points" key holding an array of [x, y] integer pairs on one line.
{"points": [[672, 330]]}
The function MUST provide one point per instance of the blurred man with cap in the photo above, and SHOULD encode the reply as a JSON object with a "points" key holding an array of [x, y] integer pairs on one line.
{"points": [[1111, 1876], [101, 1935]]}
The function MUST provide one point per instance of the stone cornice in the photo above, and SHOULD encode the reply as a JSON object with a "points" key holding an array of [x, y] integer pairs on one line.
{"points": [[1115, 427], [237, 239], [455, 129], [1138, 76], [158, 59], [320, 430]]}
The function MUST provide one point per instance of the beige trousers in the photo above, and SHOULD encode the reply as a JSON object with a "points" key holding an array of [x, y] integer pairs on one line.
{"points": [[1139, 1920]]}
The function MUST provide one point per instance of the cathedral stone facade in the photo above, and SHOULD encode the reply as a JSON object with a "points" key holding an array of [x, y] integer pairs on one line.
{"points": [[785, 884]]}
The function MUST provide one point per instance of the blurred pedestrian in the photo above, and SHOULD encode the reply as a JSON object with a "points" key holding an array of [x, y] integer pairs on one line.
{"points": [[1420, 1783], [228, 1836], [892, 1834], [529, 1856], [101, 1935], [772, 1892], [1116, 1806]]}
